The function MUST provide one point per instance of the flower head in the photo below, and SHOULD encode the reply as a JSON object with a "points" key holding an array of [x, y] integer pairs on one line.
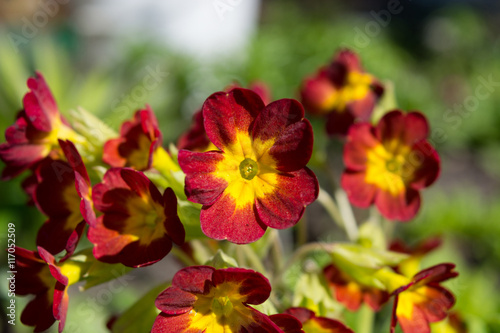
{"points": [[389, 163], [314, 324], [205, 299], [423, 300], [138, 224], [139, 138], [342, 91], [36, 131], [39, 274], [257, 178], [351, 293]]}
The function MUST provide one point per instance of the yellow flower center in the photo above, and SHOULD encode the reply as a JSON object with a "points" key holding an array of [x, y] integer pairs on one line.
{"points": [[248, 168], [145, 221], [72, 271], [356, 87], [222, 306], [387, 167]]}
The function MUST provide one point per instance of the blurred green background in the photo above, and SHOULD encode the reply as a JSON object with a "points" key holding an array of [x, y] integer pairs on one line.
{"points": [[442, 57]]}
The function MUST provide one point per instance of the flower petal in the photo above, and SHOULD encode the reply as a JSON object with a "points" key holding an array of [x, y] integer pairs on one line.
{"points": [[426, 162], [252, 286], [360, 193], [39, 104], [282, 122], [402, 207], [226, 114], [175, 301], [408, 128], [193, 279], [284, 207], [360, 140]]}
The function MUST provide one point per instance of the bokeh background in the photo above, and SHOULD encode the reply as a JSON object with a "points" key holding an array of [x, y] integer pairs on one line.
{"points": [[112, 57]]}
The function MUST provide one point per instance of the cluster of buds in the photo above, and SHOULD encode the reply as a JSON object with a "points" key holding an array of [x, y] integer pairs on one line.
{"points": [[238, 174]]}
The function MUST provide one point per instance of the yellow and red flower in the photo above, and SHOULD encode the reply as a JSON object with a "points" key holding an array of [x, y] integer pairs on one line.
{"points": [[411, 265], [196, 139], [423, 300], [313, 324], [205, 299], [342, 91], [351, 293], [63, 194], [39, 274], [139, 139], [35, 133], [258, 178], [389, 164], [138, 224]]}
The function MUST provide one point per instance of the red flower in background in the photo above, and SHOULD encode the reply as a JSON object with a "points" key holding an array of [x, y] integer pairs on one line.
{"points": [[313, 324], [138, 224], [423, 300], [196, 139], [342, 91], [205, 299], [351, 293], [39, 274], [35, 133], [63, 194], [389, 164], [258, 178], [139, 139]]}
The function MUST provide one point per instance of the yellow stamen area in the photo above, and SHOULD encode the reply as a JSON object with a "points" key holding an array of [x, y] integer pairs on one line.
{"points": [[259, 175], [408, 299], [221, 311], [146, 220], [139, 157], [387, 167], [72, 271], [357, 86]]}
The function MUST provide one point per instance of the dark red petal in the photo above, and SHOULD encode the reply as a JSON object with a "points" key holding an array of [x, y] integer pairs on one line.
{"points": [[402, 207], [360, 193], [425, 163], [375, 298], [20, 158], [201, 185], [283, 121], [175, 301], [253, 285], [54, 269], [437, 273], [416, 324], [440, 300], [223, 220], [60, 306], [302, 314], [173, 225], [173, 324], [362, 108], [39, 104], [408, 128], [287, 323], [339, 122], [360, 141], [111, 155], [193, 279], [39, 312], [315, 93], [195, 138], [284, 207], [141, 185], [226, 114]]}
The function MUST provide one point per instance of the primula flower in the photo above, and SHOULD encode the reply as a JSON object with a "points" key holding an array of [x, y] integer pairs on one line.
{"points": [[257, 178], [389, 164], [138, 141], [313, 324], [205, 299], [352, 293], [39, 274], [35, 133], [63, 194], [342, 91], [411, 266], [196, 139], [423, 300], [138, 224]]}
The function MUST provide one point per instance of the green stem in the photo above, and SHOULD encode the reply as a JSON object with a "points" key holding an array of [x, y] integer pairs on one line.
{"points": [[183, 257], [302, 231], [351, 227], [348, 225], [253, 259], [366, 316], [277, 250]]}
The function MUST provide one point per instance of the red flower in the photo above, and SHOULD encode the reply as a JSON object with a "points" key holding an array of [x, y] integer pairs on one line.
{"points": [[139, 139], [205, 299], [258, 178], [138, 224], [313, 324], [423, 300], [39, 274], [35, 133], [63, 194], [342, 91], [411, 265], [196, 139], [389, 164], [351, 293]]}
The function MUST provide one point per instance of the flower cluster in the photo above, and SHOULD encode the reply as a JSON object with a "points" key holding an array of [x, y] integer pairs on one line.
{"points": [[236, 176]]}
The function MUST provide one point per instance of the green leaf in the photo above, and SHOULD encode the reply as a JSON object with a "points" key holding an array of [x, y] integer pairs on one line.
{"points": [[101, 272], [141, 315], [189, 214], [221, 260]]}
